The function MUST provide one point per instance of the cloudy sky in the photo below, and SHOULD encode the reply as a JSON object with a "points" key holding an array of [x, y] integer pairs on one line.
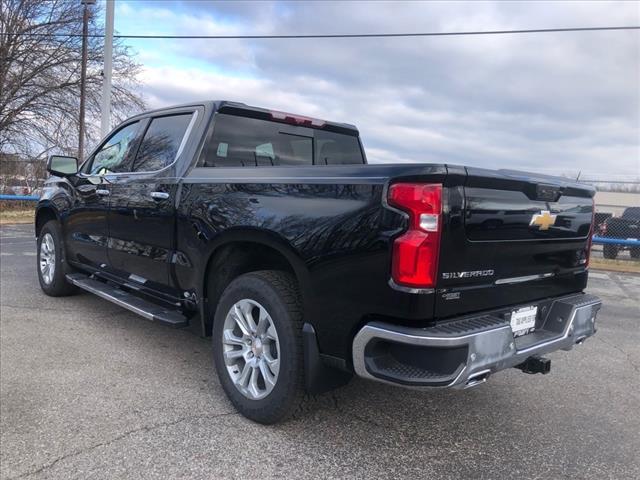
{"points": [[555, 103]]}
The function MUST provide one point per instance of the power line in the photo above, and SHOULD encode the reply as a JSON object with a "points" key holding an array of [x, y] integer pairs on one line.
{"points": [[330, 35]]}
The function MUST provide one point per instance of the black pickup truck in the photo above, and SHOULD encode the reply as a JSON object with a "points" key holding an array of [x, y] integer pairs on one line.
{"points": [[269, 232], [625, 227]]}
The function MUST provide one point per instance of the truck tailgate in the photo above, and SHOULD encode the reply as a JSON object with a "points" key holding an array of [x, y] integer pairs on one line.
{"points": [[511, 237]]}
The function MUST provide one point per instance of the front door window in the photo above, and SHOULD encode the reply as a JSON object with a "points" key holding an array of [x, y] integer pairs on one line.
{"points": [[115, 154]]}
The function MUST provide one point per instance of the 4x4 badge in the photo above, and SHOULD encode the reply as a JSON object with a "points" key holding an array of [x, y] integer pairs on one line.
{"points": [[544, 220]]}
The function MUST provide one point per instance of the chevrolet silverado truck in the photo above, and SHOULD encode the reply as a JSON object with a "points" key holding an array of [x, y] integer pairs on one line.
{"points": [[270, 233], [625, 227]]}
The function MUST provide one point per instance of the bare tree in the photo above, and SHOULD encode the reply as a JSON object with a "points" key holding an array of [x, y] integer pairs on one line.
{"points": [[40, 77]]}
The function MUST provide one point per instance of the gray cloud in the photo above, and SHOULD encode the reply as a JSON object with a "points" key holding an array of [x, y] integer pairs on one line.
{"points": [[558, 103]]}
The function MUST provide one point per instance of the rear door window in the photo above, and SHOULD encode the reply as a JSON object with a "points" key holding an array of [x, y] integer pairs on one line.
{"points": [[161, 142]]}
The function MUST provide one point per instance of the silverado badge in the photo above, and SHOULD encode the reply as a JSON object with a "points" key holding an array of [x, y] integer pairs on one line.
{"points": [[544, 219]]}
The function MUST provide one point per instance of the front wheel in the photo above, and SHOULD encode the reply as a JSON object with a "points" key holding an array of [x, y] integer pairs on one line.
{"points": [[257, 337], [52, 267]]}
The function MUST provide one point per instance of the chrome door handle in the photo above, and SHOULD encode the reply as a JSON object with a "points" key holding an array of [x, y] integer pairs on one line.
{"points": [[103, 193], [159, 195]]}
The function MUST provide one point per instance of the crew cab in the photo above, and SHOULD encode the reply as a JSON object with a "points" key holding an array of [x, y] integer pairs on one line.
{"points": [[269, 232]]}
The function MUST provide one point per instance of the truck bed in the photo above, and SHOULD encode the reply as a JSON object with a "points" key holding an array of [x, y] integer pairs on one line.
{"points": [[339, 230]]}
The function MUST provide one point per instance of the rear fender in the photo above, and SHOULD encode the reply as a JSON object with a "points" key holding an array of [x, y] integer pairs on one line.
{"points": [[262, 238]]}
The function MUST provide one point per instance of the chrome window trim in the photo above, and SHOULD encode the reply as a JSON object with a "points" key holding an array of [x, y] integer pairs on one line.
{"points": [[187, 134]]}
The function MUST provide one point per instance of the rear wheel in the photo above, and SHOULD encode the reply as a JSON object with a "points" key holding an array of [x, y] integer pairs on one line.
{"points": [[52, 267], [610, 251], [257, 336]]}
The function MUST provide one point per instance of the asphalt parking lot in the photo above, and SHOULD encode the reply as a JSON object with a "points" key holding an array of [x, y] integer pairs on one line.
{"points": [[89, 390]]}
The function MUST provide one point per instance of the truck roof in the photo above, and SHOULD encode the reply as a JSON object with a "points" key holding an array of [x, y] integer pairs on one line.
{"points": [[243, 109]]}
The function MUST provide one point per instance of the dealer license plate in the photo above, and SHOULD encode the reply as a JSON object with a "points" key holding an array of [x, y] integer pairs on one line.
{"points": [[523, 320]]}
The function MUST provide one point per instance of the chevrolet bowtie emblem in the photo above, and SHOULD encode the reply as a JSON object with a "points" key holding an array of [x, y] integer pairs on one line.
{"points": [[544, 220]]}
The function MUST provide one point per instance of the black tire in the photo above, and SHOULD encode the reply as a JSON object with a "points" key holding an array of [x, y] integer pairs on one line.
{"points": [[635, 252], [278, 293], [58, 285], [610, 251]]}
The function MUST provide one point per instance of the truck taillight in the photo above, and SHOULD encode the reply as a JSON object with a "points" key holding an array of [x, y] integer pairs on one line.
{"points": [[415, 253]]}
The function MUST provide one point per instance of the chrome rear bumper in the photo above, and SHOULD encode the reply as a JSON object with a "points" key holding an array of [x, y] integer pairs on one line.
{"points": [[464, 352]]}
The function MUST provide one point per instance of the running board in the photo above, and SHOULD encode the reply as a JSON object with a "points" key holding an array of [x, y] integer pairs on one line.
{"points": [[138, 305]]}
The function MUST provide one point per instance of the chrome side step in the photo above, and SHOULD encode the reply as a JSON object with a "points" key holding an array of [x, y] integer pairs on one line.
{"points": [[138, 305]]}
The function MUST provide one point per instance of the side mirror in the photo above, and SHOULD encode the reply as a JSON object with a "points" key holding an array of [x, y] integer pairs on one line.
{"points": [[62, 166]]}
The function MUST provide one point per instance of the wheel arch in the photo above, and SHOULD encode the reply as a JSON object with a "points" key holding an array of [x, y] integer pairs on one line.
{"points": [[45, 212], [240, 251]]}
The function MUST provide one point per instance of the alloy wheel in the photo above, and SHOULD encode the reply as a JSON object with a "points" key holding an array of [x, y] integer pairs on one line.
{"points": [[47, 258], [251, 349]]}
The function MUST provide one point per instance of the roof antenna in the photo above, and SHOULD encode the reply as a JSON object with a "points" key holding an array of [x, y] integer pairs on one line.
{"points": [[578, 177]]}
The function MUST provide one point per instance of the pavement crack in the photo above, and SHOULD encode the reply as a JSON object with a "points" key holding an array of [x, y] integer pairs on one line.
{"points": [[146, 428]]}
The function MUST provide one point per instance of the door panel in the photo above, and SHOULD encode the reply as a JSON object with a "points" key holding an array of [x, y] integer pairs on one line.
{"points": [[86, 224], [141, 218], [141, 230]]}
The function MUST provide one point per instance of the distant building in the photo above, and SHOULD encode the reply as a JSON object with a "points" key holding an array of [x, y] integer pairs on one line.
{"points": [[11, 163], [616, 202], [20, 175]]}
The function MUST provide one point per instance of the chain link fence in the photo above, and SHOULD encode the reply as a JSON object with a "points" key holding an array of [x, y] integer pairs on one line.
{"points": [[617, 221]]}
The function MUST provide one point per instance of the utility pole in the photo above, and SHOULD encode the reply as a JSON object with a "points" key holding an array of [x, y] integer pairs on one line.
{"points": [[83, 74], [105, 118]]}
